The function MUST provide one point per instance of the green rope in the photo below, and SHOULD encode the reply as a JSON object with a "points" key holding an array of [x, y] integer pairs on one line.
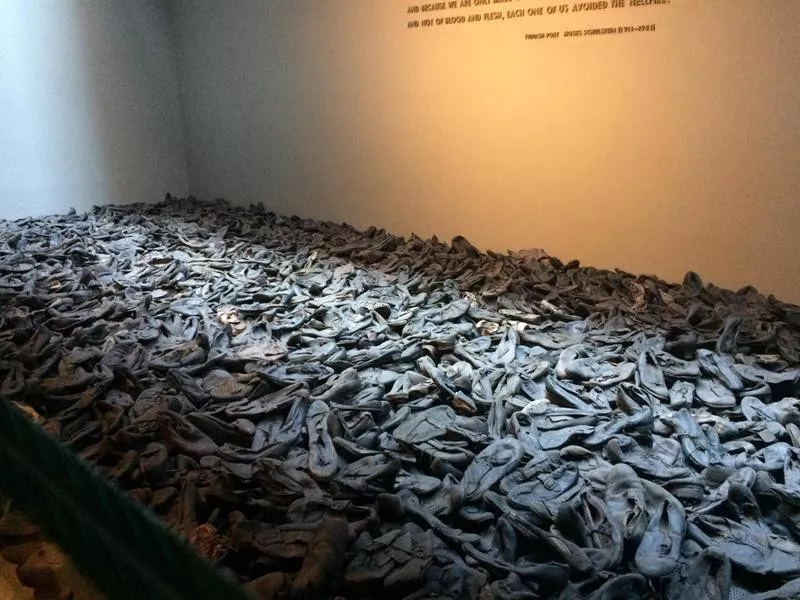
{"points": [[120, 546]]}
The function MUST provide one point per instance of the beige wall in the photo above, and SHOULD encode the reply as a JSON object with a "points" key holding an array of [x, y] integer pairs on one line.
{"points": [[89, 105], [653, 152]]}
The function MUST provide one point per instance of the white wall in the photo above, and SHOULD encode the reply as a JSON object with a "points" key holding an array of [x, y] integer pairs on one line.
{"points": [[655, 152], [89, 105]]}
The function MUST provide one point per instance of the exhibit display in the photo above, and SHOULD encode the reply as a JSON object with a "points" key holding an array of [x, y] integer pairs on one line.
{"points": [[328, 412], [412, 300]]}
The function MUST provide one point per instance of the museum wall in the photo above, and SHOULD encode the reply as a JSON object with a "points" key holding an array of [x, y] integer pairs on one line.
{"points": [[89, 105], [667, 146]]}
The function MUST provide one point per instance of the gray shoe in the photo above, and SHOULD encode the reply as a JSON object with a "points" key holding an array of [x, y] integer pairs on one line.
{"points": [[322, 457], [713, 393], [659, 550], [626, 502], [547, 490], [708, 577], [493, 463], [750, 545]]}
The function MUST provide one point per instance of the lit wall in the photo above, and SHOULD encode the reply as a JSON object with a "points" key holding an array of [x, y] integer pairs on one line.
{"points": [[655, 152], [89, 106]]}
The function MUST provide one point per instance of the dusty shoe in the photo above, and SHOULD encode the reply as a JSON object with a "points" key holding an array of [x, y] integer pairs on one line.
{"points": [[547, 490], [713, 393], [708, 577], [267, 587], [322, 458], [660, 547], [750, 545], [324, 560], [622, 587], [403, 554], [587, 523], [626, 501], [663, 461], [650, 376], [681, 394], [426, 425], [492, 464]]}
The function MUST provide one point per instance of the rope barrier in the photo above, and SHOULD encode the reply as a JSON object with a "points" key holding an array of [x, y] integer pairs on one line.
{"points": [[122, 547]]}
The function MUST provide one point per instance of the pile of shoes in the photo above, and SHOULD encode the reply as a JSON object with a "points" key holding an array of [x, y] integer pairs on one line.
{"points": [[328, 412]]}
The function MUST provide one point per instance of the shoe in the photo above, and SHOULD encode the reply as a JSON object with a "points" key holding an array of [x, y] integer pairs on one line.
{"points": [[309, 373], [543, 494], [756, 374], [240, 432], [323, 561], [659, 550], [426, 425], [650, 376], [784, 411], [377, 558], [567, 551], [565, 394], [708, 577], [688, 490], [322, 457], [622, 587], [338, 387], [771, 458], [267, 404], [547, 416], [664, 461], [420, 484], [586, 522], [721, 367], [493, 463], [750, 545], [178, 433], [787, 591], [224, 387], [681, 395], [371, 475], [626, 502], [557, 438], [415, 510], [713, 393], [641, 420], [677, 368], [719, 491], [693, 440]]}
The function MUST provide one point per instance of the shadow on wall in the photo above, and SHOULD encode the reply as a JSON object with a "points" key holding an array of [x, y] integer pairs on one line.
{"points": [[90, 106]]}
